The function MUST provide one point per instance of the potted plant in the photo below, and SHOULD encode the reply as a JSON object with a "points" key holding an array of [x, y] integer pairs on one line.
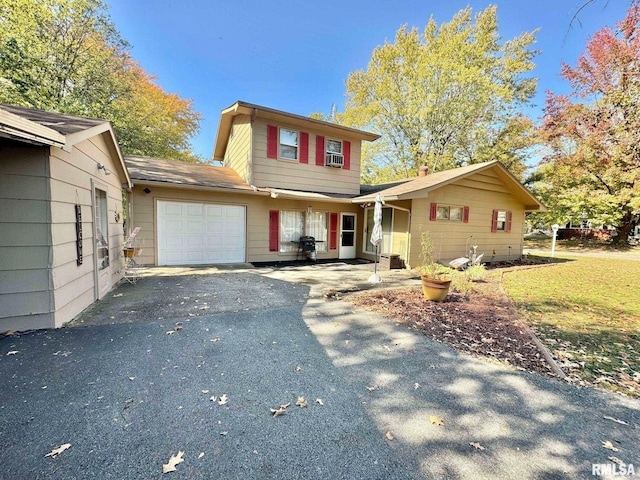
{"points": [[435, 287]]}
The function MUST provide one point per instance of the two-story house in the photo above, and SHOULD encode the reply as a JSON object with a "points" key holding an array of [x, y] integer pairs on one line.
{"points": [[285, 176]]}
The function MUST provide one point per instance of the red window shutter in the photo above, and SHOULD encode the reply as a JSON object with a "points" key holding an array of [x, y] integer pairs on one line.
{"points": [[509, 217], [465, 215], [272, 141], [304, 147], [346, 151], [433, 212], [274, 230], [494, 221], [320, 150], [333, 231]]}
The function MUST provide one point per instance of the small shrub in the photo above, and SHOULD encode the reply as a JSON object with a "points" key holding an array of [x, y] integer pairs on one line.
{"points": [[476, 273]]}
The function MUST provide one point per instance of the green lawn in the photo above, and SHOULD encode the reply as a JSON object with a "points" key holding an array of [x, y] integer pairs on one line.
{"points": [[587, 311]]}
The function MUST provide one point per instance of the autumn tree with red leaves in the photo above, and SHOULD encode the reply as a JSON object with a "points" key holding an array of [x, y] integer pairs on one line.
{"points": [[593, 134]]}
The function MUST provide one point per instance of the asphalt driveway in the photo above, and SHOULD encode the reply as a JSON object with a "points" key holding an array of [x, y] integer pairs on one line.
{"points": [[382, 401]]}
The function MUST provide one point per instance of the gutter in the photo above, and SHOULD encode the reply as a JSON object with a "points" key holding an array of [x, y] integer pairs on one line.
{"points": [[254, 191]]}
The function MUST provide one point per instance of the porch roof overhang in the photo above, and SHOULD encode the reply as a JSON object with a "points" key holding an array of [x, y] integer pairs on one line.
{"points": [[302, 195]]}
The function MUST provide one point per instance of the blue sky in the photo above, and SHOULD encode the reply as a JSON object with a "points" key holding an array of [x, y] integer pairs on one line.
{"points": [[296, 56]]}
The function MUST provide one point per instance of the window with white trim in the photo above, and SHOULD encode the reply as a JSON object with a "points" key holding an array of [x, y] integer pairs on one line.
{"points": [[288, 144], [317, 228], [294, 224], [501, 221], [449, 212], [387, 230], [334, 147], [291, 229]]}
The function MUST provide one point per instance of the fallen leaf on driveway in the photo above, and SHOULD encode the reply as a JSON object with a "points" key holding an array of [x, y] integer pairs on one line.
{"points": [[436, 421], [387, 348], [201, 455], [224, 434], [170, 332], [476, 445], [301, 402], [132, 378], [319, 401], [12, 352], [217, 339], [57, 451], [214, 398], [616, 460], [117, 295], [416, 386], [223, 399], [204, 391], [372, 388], [278, 412], [298, 368], [615, 420], [610, 446], [389, 436], [170, 466]]}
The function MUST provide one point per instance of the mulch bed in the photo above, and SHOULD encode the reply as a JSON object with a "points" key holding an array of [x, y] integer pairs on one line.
{"points": [[482, 323]]}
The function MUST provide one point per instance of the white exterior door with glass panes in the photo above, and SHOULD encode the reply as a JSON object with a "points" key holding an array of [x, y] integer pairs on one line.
{"points": [[101, 242], [347, 236]]}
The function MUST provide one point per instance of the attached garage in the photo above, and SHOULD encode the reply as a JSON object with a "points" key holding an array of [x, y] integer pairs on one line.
{"points": [[192, 233]]}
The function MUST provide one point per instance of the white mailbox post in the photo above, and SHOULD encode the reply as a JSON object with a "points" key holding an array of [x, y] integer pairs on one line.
{"points": [[555, 228]]}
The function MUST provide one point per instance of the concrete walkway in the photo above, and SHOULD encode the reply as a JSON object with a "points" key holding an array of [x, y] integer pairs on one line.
{"points": [[393, 404]]}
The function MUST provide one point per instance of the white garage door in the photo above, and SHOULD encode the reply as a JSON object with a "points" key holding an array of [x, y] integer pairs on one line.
{"points": [[200, 233]]}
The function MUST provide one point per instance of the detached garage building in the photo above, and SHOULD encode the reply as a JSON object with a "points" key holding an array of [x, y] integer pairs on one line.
{"points": [[61, 216]]}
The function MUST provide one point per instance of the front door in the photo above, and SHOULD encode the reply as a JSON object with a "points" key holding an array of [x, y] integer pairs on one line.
{"points": [[347, 236], [101, 243]]}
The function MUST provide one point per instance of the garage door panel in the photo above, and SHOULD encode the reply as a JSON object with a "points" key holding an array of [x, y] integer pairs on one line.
{"points": [[192, 233]]}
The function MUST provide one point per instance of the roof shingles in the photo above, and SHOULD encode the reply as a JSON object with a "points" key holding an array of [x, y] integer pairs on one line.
{"points": [[172, 172]]}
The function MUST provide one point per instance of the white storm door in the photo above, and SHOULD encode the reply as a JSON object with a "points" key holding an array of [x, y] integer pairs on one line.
{"points": [[101, 242], [200, 233], [347, 236]]}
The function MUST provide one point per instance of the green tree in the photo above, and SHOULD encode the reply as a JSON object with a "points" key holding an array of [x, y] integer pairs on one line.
{"points": [[593, 134], [67, 56], [446, 97]]}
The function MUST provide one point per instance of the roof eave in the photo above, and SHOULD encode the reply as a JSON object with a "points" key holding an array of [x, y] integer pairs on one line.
{"points": [[21, 128], [158, 183], [245, 108]]}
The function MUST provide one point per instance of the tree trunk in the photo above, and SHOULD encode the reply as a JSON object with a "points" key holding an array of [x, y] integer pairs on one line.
{"points": [[623, 229]]}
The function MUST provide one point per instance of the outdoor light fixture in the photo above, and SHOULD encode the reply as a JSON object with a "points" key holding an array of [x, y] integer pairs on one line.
{"points": [[102, 167], [146, 190]]}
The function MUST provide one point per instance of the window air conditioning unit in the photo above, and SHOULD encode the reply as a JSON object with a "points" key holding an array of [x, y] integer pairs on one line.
{"points": [[334, 160]]}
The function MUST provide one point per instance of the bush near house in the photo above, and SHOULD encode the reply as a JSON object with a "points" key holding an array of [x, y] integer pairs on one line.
{"points": [[588, 234]]}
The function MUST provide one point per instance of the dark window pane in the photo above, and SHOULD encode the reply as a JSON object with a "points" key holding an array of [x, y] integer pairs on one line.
{"points": [[348, 239], [348, 222]]}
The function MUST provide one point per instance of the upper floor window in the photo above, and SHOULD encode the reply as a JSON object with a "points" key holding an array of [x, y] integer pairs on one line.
{"points": [[448, 212], [288, 144], [334, 146]]}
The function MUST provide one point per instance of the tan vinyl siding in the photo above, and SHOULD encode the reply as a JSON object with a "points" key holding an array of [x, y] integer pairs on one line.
{"points": [[482, 194], [72, 176], [291, 174], [257, 218], [238, 153], [26, 299]]}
